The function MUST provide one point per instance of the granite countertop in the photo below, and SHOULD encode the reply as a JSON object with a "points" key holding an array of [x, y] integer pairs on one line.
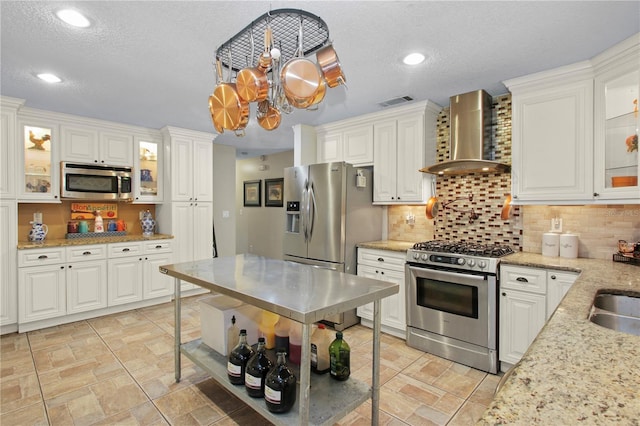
{"points": [[62, 242], [574, 371], [392, 245]]}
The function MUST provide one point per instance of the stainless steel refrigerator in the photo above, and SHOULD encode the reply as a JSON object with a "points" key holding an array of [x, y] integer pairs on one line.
{"points": [[329, 210]]}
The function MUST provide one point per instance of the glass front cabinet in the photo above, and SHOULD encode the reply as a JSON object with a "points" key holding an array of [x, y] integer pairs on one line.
{"points": [[38, 156], [148, 169], [616, 119]]}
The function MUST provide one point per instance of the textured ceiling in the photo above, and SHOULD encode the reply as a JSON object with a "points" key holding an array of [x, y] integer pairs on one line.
{"points": [[149, 63]]}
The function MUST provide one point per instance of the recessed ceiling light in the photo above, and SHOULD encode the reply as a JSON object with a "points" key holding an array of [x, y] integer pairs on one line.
{"points": [[73, 17], [413, 58], [49, 78]]}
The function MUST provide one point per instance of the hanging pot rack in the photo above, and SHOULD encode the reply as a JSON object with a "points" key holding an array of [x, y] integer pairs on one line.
{"points": [[285, 26]]}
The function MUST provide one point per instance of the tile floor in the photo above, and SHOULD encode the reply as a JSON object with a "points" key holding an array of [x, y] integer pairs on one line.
{"points": [[119, 369]]}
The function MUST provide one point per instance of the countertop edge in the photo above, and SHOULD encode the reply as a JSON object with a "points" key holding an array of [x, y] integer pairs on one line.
{"points": [[390, 245], [63, 242]]}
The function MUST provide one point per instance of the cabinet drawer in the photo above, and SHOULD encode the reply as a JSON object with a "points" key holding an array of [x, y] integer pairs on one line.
{"points": [[382, 258], [80, 253], [125, 249], [38, 257], [527, 279], [158, 246]]}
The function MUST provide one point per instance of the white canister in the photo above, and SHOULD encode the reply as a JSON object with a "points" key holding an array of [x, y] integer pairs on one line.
{"points": [[550, 244], [569, 245]]}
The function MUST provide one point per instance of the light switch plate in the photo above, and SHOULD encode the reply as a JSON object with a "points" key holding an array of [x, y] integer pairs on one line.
{"points": [[556, 224]]}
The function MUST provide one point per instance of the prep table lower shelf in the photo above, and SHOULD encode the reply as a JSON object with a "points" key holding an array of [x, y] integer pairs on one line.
{"points": [[329, 400]]}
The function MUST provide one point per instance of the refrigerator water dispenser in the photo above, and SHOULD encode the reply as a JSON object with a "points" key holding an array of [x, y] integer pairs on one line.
{"points": [[293, 217]]}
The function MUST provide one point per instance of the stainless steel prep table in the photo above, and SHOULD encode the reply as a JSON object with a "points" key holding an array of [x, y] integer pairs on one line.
{"points": [[303, 293]]}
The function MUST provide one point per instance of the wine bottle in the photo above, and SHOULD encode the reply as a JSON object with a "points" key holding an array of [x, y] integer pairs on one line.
{"points": [[256, 371], [238, 359], [340, 358], [280, 386]]}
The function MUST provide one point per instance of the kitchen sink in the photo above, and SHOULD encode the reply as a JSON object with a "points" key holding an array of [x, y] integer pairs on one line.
{"points": [[618, 311]]}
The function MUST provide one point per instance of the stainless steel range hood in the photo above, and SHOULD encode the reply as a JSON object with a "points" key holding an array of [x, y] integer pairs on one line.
{"points": [[471, 147]]}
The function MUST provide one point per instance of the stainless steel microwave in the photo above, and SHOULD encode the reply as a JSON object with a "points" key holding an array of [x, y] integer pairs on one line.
{"points": [[95, 182]]}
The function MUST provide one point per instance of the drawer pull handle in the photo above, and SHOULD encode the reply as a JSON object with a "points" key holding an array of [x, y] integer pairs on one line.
{"points": [[125, 249], [522, 279], [43, 256], [380, 259], [86, 253], [504, 294], [158, 246]]}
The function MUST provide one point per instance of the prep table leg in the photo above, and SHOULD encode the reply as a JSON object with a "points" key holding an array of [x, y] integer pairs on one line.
{"points": [[375, 377], [305, 374], [176, 330]]}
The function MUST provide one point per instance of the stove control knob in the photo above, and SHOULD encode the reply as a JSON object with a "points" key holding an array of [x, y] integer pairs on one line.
{"points": [[471, 262], [425, 257], [482, 264], [416, 256], [461, 261]]}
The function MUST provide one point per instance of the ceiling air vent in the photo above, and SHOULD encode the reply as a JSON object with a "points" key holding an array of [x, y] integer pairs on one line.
{"points": [[395, 101]]}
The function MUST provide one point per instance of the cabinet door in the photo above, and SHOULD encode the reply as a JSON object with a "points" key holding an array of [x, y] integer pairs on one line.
{"points": [[125, 280], [329, 147], [522, 316], [38, 170], [616, 124], [116, 149], [148, 170], [385, 153], [86, 286], [41, 292], [558, 284], [182, 229], [393, 307], [80, 144], [155, 283], [358, 145], [7, 152], [411, 182], [181, 169], [202, 172], [202, 235], [8, 254], [553, 143]]}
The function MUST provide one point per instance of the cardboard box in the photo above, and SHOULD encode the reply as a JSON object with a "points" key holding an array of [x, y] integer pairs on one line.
{"points": [[215, 319]]}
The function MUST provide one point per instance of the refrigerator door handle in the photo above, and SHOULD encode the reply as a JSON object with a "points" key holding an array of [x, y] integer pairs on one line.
{"points": [[305, 211], [311, 210]]}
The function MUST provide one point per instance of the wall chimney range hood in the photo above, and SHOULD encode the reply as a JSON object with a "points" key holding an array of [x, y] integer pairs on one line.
{"points": [[471, 147]]}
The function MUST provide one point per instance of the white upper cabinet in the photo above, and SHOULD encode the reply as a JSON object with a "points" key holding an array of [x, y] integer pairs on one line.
{"points": [[190, 174], [148, 169], [349, 141], [89, 144], [616, 122], [8, 138], [575, 131], [552, 136]]}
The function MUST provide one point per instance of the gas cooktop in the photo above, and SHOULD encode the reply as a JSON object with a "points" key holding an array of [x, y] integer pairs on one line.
{"points": [[458, 255]]}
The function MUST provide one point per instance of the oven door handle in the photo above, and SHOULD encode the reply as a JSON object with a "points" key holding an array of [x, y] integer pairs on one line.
{"points": [[455, 277]]}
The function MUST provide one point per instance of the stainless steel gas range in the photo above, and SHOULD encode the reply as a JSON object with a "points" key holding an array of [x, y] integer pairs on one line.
{"points": [[452, 309]]}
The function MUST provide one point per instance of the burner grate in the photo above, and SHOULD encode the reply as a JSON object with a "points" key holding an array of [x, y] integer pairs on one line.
{"points": [[466, 248]]}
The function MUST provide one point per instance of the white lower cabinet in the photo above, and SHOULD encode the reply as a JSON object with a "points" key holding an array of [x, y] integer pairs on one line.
{"points": [[58, 285], [387, 266], [8, 253], [528, 297]]}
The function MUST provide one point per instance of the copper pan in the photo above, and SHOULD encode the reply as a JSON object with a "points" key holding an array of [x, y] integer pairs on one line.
{"points": [[252, 83], [433, 205], [330, 65], [300, 78], [229, 110]]}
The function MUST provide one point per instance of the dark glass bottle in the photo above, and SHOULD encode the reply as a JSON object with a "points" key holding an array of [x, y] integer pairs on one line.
{"points": [[340, 358], [238, 359], [280, 386], [257, 369]]}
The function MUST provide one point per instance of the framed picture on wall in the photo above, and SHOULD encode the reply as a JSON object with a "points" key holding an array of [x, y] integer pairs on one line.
{"points": [[252, 193], [273, 189]]}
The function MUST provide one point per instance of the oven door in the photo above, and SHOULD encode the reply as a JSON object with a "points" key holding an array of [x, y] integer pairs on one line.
{"points": [[452, 304]]}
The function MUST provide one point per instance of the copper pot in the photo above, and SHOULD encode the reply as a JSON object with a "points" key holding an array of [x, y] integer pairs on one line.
{"points": [[330, 65], [506, 208], [433, 205], [270, 120]]}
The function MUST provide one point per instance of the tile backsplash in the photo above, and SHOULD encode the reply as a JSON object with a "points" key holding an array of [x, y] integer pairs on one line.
{"points": [[599, 227]]}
